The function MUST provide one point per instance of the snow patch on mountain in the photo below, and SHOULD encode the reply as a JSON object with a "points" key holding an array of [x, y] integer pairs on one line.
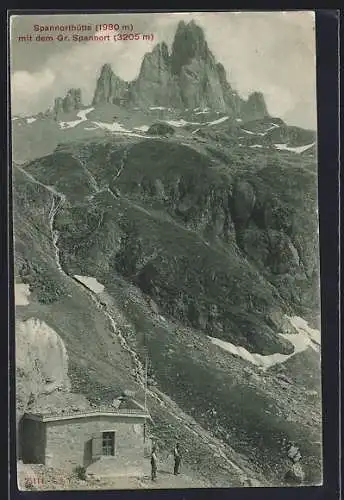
{"points": [[302, 325], [112, 127], [31, 119], [272, 126], [297, 149], [248, 131], [203, 111], [142, 128], [219, 120], [305, 338], [116, 127], [82, 117], [91, 283], [181, 123]]}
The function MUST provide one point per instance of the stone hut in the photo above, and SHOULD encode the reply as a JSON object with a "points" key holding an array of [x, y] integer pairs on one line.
{"points": [[112, 439]]}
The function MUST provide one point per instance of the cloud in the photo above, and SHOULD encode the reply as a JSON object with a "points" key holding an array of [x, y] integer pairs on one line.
{"points": [[26, 88], [32, 83]]}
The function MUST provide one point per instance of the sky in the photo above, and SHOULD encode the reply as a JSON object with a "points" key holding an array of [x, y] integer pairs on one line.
{"points": [[270, 52]]}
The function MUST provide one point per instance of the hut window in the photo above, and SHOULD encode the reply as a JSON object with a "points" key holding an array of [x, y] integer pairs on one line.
{"points": [[108, 444]]}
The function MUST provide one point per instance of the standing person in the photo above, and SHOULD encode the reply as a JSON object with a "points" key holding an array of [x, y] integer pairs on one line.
{"points": [[177, 459], [154, 461]]}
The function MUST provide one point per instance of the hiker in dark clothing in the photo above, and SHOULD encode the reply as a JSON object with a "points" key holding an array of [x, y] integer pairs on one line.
{"points": [[154, 460], [177, 459]]}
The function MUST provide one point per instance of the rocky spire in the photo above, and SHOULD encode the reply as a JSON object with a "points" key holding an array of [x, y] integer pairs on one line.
{"points": [[110, 88], [157, 61], [155, 85], [72, 101]]}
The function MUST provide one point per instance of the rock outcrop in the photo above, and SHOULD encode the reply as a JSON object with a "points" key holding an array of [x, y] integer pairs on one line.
{"points": [[71, 102], [161, 129], [254, 108], [295, 475], [41, 362]]}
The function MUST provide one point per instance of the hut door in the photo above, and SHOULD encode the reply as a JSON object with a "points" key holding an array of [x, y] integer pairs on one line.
{"points": [[97, 442]]}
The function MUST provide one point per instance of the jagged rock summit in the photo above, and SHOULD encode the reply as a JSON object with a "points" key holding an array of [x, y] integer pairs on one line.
{"points": [[110, 88], [187, 77]]}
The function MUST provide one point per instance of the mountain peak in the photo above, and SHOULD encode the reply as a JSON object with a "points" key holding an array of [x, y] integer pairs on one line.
{"points": [[189, 43], [106, 68]]}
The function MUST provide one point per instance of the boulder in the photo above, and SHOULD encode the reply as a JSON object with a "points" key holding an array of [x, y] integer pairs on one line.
{"points": [[295, 474]]}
